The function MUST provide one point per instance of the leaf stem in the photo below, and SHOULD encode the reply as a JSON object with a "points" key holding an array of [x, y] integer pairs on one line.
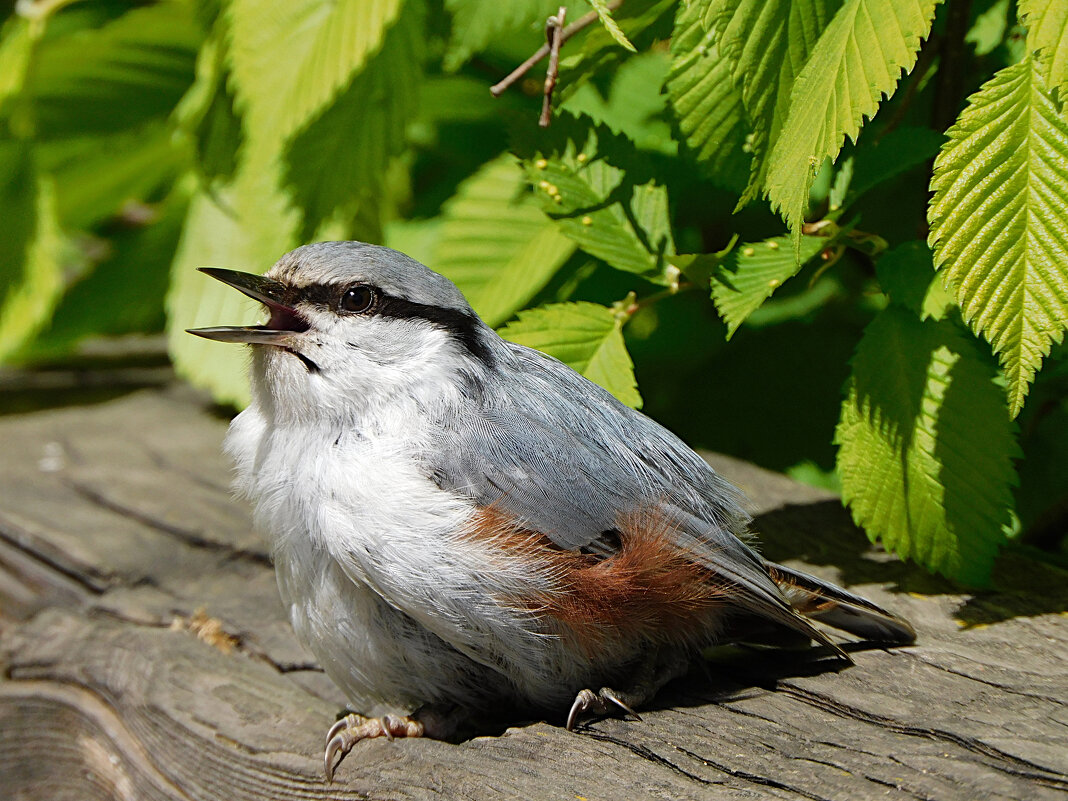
{"points": [[630, 305]]}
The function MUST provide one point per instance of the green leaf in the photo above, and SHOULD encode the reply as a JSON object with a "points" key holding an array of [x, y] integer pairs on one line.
{"points": [[96, 175], [16, 46], [603, 196], [765, 44], [416, 238], [634, 106], [133, 278], [988, 31], [707, 104], [117, 76], [925, 447], [207, 113], [858, 58], [907, 275], [1047, 32], [342, 156], [477, 23], [495, 244], [584, 336], [31, 276], [290, 60], [605, 15], [998, 224], [752, 272]]}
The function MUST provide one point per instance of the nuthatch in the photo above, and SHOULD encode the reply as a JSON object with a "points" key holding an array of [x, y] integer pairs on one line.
{"points": [[464, 526]]}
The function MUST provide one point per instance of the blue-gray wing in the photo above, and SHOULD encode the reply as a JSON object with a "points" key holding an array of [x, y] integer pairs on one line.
{"points": [[565, 458]]}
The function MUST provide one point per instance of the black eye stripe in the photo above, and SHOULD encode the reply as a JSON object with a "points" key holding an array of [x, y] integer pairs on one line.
{"points": [[463, 325]]}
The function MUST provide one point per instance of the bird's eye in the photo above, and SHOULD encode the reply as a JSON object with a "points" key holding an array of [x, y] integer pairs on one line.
{"points": [[357, 299]]}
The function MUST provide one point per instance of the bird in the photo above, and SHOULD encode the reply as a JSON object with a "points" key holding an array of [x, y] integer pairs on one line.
{"points": [[463, 527]]}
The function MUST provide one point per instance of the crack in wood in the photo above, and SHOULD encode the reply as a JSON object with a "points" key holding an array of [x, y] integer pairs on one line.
{"points": [[999, 760], [753, 778], [648, 755], [1004, 688], [897, 786], [186, 536], [18, 540]]}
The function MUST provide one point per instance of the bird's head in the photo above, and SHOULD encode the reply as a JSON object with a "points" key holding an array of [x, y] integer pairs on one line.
{"points": [[352, 324]]}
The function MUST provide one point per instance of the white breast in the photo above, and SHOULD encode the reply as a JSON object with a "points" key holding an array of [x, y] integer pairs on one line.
{"points": [[398, 608]]}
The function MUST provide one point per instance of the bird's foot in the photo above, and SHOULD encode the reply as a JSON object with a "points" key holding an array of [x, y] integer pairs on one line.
{"points": [[652, 673], [606, 700], [348, 731]]}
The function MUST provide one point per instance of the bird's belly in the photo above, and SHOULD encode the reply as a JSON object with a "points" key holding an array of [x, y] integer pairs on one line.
{"points": [[382, 660]]}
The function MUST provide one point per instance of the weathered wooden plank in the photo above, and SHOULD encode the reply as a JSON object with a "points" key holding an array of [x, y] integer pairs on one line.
{"points": [[116, 521]]}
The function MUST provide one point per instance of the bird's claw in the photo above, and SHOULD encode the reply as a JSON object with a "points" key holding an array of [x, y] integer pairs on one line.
{"points": [[348, 731], [599, 703]]}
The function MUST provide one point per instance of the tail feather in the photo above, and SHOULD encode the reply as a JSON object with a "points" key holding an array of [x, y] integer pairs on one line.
{"points": [[822, 601]]}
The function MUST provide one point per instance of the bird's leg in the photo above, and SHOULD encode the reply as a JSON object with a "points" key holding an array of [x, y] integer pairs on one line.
{"points": [[348, 731], [652, 674]]}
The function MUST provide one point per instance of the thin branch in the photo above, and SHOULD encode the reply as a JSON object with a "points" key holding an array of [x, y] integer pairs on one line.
{"points": [[499, 88], [952, 66], [554, 33]]}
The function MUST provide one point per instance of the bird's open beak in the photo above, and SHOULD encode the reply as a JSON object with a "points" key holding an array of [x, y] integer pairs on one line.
{"points": [[285, 320]]}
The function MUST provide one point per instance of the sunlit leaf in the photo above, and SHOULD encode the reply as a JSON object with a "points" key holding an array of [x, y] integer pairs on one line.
{"points": [[584, 336], [766, 43], [1047, 33], [998, 224], [31, 276], [207, 113], [604, 14], [290, 60], [858, 58], [495, 244], [925, 447], [616, 213], [750, 273], [342, 156], [16, 45]]}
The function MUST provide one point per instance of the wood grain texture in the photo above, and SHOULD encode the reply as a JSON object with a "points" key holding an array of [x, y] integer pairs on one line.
{"points": [[117, 526]]}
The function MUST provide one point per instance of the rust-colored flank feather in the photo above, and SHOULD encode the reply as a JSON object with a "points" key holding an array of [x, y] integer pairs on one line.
{"points": [[648, 588]]}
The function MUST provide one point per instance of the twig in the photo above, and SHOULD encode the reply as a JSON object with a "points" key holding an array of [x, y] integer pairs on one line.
{"points": [[499, 88], [553, 33], [949, 86]]}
